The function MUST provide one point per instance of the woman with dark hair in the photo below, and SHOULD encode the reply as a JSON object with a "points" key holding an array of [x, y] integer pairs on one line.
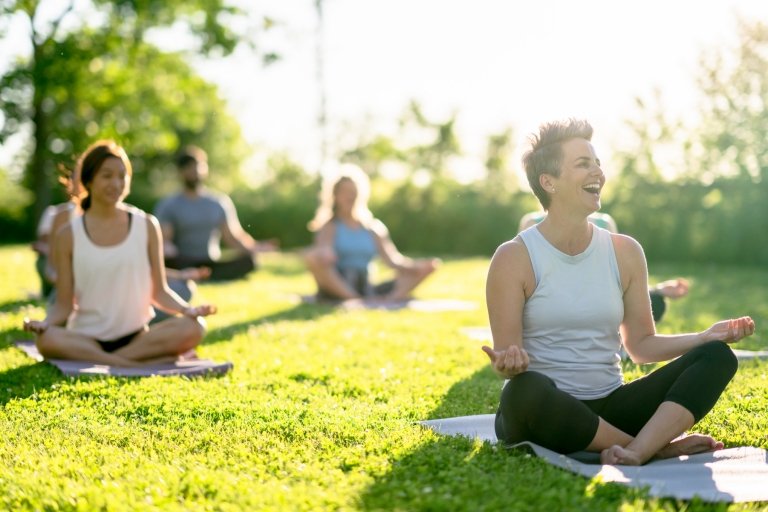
{"points": [[561, 298], [109, 274], [348, 238]]}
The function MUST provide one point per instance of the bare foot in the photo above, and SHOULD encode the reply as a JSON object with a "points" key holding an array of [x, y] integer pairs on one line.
{"points": [[190, 354], [616, 455], [689, 445]]}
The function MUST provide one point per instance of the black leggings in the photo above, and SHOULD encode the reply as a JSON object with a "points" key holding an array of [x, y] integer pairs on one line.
{"points": [[658, 305], [221, 270], [533, 409]]}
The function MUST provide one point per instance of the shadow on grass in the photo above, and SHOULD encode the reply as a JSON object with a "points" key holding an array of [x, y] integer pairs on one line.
{"points": [[26, 380], [456, 473], [300, 312], [14, 306]]}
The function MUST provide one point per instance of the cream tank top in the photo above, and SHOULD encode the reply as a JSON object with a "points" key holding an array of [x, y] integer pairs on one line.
{"points": [[571, 321], [113, 285]]}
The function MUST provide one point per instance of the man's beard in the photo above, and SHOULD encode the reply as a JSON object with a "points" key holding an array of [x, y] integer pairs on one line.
{"points": [[191, 184]]}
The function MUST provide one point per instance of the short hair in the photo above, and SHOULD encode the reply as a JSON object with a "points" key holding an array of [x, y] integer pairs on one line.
{"points": [[190, 154], [546, 154]]}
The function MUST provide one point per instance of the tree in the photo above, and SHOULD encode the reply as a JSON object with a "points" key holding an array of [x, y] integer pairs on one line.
{"points": [[500, 178], [96, 81]]}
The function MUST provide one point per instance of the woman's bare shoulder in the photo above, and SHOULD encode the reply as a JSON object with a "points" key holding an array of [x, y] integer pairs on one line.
{"points": [[512, 251], [626, 247]]}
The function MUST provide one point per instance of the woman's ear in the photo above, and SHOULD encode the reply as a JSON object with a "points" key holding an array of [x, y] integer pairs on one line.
{"points": [[545, 180]]}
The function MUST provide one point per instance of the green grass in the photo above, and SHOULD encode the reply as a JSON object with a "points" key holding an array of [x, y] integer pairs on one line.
{"points": [[319, 411]]}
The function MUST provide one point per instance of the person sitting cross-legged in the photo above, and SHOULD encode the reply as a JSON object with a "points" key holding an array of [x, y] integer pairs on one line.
{"points": [[562, 296], [109, 274], [348, 238], [195, 220]]}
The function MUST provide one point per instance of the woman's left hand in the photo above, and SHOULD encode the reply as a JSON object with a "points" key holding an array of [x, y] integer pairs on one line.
{"points": [[203, 310], [731, 331]]}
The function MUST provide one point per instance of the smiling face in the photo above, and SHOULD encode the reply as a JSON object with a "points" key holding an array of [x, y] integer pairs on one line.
{"points": [[345, 196], [110, 184], [581, 179]]}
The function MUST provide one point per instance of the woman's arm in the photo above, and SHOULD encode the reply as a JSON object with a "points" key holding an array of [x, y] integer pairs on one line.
{"points": [[162, 296], [637, 329], [58, 314], [386, 248], [510, 281]]}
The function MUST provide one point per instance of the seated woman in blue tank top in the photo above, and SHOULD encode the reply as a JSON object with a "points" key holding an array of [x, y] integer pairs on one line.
{"points": [[348, 238], [561, 298]]}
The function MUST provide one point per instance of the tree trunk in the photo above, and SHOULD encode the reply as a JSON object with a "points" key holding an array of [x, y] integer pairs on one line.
{"points": [[39, 181]]}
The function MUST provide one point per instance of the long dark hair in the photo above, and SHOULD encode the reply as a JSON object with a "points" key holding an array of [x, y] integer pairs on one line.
{"points": [[89, 164]]}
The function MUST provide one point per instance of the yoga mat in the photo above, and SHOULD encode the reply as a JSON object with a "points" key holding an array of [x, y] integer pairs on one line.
{"points": [[190, 368], [734, 475], [426, 306], [484, 334]]}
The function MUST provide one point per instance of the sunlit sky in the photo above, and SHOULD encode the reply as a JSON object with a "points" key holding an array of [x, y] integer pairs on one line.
{"points": [[496, 63]]}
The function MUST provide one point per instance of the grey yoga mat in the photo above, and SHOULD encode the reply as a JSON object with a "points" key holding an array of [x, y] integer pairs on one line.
{"points": [[734, 475], [426, 306], [190, 368], [484, 334]]}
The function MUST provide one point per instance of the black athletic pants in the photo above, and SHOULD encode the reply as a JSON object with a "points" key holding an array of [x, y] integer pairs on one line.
{"points": [[221, 270], [533, 409], [658, 305]]}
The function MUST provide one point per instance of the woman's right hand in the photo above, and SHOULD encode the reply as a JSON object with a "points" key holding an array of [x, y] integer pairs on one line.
{"points": [[508, 363], [203, 310], [730, 331], [35, 326]]}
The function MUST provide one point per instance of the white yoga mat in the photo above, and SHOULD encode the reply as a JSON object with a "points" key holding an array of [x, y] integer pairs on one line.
{"points": [[190, 368], [484, 334], [735, 475]]}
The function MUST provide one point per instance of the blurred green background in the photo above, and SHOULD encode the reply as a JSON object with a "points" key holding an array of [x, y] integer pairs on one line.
{"points": [[106, 79]]}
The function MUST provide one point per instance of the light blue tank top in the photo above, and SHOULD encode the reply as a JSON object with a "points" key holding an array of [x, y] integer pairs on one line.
{"points": [[571, 321], [355, 248]]}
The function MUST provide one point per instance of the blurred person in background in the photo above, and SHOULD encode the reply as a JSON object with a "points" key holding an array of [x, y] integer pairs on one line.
{"points": [[348, 237], [196, 220], [672, 289], [44, 240], [109, 274]]}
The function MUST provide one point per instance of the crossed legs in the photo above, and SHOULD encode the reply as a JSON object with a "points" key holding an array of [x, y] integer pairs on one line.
{"points": [[162, 342], [322, 266], [631, 425]]}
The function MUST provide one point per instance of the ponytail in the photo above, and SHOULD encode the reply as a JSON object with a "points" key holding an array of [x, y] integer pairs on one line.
{"points": [[85, 202]]}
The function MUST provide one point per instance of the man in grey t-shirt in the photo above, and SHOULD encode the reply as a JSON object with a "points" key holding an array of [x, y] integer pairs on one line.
{"points": [[196, 220]]}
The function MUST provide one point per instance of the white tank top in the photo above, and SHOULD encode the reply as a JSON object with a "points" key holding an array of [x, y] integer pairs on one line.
{"points": [[113, 285], [571, 321]]}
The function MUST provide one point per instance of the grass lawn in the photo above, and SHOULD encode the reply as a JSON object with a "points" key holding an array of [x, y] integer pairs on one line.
{"points": [[319, 410]]}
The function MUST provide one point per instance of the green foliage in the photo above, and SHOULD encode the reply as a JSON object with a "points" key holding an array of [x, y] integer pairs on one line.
{"points": [[431, 156], [107, 81], [281, 207], [714, 210], [447, 217], [13, 200], [319, 411]]}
